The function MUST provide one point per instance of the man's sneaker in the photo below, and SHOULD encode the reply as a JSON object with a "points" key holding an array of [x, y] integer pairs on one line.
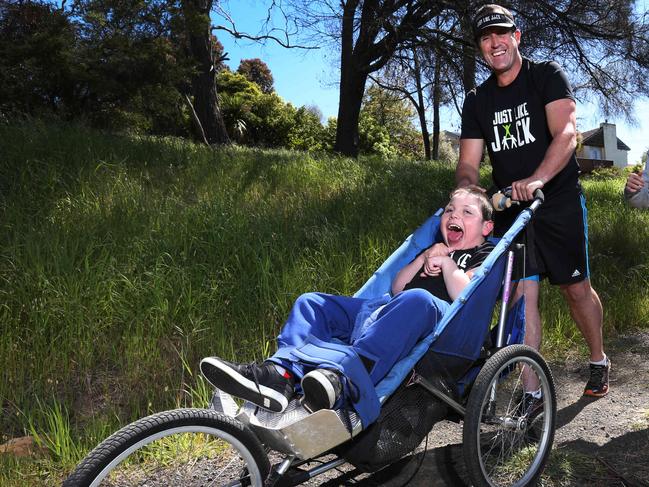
{"points": [[322, 388], [261, 384], [597, 385]]}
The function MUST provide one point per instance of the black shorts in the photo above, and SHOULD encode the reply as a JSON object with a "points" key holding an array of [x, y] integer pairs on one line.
{"points": [[555, 242]]}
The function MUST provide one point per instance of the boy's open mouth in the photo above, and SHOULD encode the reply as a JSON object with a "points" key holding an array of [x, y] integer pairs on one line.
{"points": [[454, 233]]}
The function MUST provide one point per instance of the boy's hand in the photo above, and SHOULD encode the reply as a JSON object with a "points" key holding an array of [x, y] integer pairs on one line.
{"points": [[437, 250], [433, 265]]}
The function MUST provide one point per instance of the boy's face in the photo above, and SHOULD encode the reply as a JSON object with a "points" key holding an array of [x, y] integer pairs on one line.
{"points": [[462, 224]]}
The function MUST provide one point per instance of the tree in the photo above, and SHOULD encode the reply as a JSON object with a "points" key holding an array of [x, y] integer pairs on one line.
{"points": [[257, 71], [37, 53], [131, 65], [264, 119], [603, 46], [405, 76], [199, 32], [367, 33], [307, 132], [386, 124]]}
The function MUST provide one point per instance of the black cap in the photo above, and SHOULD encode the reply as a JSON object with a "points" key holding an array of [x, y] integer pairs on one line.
{"points": [[492, 15]]}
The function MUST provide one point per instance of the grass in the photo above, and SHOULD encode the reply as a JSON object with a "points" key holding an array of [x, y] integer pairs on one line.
{"points": [[124, 260]]}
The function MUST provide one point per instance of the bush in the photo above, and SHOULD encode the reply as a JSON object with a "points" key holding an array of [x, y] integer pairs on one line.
{"points": [[601, 173]]}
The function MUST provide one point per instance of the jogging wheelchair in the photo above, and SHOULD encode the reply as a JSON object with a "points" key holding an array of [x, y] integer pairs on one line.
{"points": [[468, 370]]}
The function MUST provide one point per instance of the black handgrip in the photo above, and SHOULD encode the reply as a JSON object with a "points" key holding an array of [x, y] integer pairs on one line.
{"points": [[538, 195]]}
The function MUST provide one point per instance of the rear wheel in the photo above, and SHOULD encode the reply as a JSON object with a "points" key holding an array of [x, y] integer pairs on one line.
{"points": [[507, 440], [188, 447]]}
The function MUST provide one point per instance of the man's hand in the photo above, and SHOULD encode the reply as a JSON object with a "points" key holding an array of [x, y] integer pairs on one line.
{"points": [[523, 189], [634, 183]]}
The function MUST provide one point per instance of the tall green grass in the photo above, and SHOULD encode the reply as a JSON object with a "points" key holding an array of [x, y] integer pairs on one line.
{"points": [[125, 260]]}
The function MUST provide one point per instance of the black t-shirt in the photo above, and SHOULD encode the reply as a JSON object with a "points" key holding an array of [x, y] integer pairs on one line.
{"points": [[513, 124], [466, 259]]}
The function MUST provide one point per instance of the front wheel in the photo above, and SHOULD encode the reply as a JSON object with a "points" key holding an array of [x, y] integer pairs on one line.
{"points": [[507, 434], [188, 447]]}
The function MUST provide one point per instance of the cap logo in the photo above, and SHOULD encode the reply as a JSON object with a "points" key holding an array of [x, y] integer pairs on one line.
{"points": [[493, 18]]}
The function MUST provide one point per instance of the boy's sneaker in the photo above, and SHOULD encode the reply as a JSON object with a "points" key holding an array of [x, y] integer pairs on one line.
{"points": [[322, 388], [597, 385], [262, 385]]}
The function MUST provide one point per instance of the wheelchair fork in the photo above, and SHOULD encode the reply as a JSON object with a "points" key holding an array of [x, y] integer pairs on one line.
{"points": [[506, 298], [500, 339]]}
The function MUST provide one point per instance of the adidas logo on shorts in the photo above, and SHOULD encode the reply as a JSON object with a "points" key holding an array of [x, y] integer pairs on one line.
{"points": [[576, 273]]}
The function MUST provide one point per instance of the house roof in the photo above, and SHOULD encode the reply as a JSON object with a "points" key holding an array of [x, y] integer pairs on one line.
{"points": [[595, 138]]}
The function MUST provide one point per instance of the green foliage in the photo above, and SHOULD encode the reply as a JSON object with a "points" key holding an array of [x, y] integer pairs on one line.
{"points": [[37, 60], [447, 153], [385, 125], [256, 118], [307, 132], [118, 65], [602, 173]]}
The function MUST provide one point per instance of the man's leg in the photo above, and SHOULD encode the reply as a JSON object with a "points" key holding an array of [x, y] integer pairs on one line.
{"points": [[586, 311], [533, 331]]}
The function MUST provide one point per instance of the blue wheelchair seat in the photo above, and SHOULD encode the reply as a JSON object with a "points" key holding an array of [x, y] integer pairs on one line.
{"points": [[461, 333]]}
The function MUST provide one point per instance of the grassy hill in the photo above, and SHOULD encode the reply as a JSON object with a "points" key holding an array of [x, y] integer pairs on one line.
{"points": [[124, 260]]}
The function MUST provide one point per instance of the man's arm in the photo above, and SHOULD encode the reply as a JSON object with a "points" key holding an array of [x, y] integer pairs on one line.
{"points": [[562, 124], [467, 172]]}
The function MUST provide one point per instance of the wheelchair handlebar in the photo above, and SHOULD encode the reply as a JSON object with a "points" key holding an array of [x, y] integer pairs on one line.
{"points": [[502, 199]]}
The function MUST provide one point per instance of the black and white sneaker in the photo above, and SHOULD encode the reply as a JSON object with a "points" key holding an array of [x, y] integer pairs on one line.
{"points": [[262, 385], [322, 388]]}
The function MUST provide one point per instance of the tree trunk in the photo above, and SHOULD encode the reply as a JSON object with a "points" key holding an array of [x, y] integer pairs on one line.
{"points": [[468, 57], [204, 83], [437, 101], [352, 87], [421, 107]]}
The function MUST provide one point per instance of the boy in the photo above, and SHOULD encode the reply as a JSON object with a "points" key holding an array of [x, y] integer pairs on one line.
{"points": [[422, 292]]}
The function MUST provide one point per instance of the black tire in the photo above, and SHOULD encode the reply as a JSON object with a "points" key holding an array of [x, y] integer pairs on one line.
{"points": [[507, 443], [188, 447]]}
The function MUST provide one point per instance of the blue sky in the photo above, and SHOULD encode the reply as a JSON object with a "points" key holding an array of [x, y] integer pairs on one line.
{"points": [[311, 77]]}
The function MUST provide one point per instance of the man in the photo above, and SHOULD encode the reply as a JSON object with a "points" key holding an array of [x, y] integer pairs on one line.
{"points": [[525, 114], [636, 191]]}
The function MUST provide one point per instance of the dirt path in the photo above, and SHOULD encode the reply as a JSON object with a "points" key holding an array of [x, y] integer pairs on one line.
{"points": [[599, 443]]}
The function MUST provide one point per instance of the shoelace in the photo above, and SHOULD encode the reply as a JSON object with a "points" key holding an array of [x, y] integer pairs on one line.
{"points": [[251, 369]]}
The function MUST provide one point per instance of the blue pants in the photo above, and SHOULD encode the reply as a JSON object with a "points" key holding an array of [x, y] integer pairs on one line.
{"points": [[393, 332]]}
